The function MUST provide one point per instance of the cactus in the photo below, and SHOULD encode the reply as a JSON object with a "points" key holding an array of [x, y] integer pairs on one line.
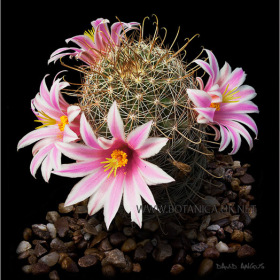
{"points": [[149, 82]]}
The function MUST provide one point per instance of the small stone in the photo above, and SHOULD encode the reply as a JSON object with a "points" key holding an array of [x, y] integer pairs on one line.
{"points": [[222, 247], [39, 250], [211, 253], [52, 230], [69, 265], [172, 230], [90, 229], [212, 241], [58, 245], [52, 216], [205, 222], [237, 235], [32, 259], [211, 201], [245, 190], [233, 247], [234, 218], [221, 233], [236, 164], [129, 245], [231, 195], [98, 238], [23, 246], [140, 254], [105, 245], [216, 216], [108, 271], [252, 212], [129, 266], [53, 275], [235, 184], [117, 238], [39, 268], [246, 251], [199, 247], [128, 231], [162, 252], [151, 225], [201, 237], [189, 259], [247, 179], [205, 267], [81, 209], [240, 171], [27, 234], [25, 254], [136, 267], [191, 233], [176, 269], [95, 252], [237, 225], [228, 229], [62, 226], [248, 236], [27, 269], [219, 171], [87, 261], [41, 231], [65, 209], [245, 219], [115, 258], [213, 227], [148, 247], [50, 259], [180, 256]]}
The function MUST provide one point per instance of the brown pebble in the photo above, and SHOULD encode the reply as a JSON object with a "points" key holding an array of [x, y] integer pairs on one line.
{"points": [[69, 265], [140, 254], [53, 275], [95, 252], [27, 234], [25, 254], [62, 226], [117, 238], [105, 245], [108, 271], [235, 184], [189, 259], [32, 259], [176, 269], [248, 236], [90, 229], [58, 245], [98, 238], [65, 209], [39, 250], [205, 267], [39, 268], [237, 235], [136, 267], [115, 258], [81, 209], [129, 245], [129, 265], [247, 179], [41, 231], [87, 261], [211, 253], [52, 216], [233, 247], [27, 269], [246, 251]]}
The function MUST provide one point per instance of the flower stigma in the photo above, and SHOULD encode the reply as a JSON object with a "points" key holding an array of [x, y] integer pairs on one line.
{"points": [[118, 159]]}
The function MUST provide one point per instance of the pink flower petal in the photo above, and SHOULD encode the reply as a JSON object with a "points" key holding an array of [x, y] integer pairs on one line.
{"points": [[238, 107], [69, 135], [205, 66], [137, 137], [224, 74], [86, 187], [79, 169], [245, 93], [151, 173], [72, 112], [151, 147], [200, 98], [225, 138], [214, 65], [115, 122], [38, 158], [200, 83], [113, 200], [42, 143], [55, 157], [235, 80], [79, 152], [46, 168], [207, 113], [88, 134], [217, 132], [38, 134]]}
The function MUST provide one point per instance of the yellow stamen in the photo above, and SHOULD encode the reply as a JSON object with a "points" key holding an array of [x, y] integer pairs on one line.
{"points": [[118, 159], [46, 120], [64, 121], [90, 34], [228, 96], [215, 105]]}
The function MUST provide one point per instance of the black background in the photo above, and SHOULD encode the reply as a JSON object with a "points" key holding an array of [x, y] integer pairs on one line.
{"points": [[243, 33]]}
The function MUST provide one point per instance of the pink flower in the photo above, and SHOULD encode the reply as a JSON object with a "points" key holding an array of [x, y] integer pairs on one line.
{"points": [[95, 42], [60, 123], [114, 169], [226, 102]]}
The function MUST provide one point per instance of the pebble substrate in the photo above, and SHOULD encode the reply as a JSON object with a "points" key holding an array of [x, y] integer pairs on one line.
{"points": [[216, 224]]}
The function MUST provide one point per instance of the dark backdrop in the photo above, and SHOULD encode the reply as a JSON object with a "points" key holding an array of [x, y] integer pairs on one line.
{"points": [[245, 34]]}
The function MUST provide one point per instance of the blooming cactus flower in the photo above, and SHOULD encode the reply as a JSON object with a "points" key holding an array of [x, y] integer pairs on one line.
{"points": [[60, 123], [114, 168], [95, 42], [226, 102]]}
